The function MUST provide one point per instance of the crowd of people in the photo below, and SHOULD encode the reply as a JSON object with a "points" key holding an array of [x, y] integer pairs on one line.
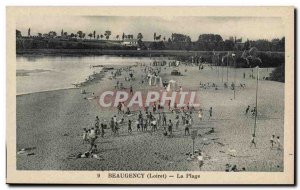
{"points": [[156, 119]]}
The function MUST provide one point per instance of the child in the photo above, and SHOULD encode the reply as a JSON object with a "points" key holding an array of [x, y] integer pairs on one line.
{"points": [[154, 125], [165, 133], [85, 136], [200, 160]]}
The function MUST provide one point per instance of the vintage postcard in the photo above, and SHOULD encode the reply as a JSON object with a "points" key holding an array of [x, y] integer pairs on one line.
{"points": [[150, 95]]}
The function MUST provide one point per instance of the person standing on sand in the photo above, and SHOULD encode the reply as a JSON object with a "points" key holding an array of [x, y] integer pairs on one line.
{"points": [[200, 160], [210, 112], [186, 128], [112, 126], [137, 125], [247, 109], [102, 129], [131, 91], [253, 111], [119, 107], [85, 136], [191, 118], [272, 141], [177, 121], [253, 141], [278, 143], [183, 117], [92, 136], [170, 128], [115, 120], [154, 123], [129, 126], [97, 125], [117, 129], [159, 120], [142, 123], [200, 114], [164, 119]]}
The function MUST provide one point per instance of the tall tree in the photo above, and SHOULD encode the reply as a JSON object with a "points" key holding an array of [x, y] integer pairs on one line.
{"points": [[62, 32], [107, 34], [117, 37], [158, 37], [90, 35], [52, 34], [123, 36], [154, 36], [80, 34], [140, 36], [29, 32], [94, 34]]}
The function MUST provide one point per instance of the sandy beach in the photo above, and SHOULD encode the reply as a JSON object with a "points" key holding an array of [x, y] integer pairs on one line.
{"points": [[52, 123]]}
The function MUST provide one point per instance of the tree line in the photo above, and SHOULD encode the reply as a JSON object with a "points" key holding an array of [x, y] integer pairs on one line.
{"points": [[177, 41]]}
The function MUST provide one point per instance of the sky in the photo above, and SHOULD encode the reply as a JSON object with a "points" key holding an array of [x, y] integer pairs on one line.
{"points": [[252, 28]]}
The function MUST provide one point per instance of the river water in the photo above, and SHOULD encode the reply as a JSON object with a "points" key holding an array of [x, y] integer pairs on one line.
{"points": [[37, 74]]}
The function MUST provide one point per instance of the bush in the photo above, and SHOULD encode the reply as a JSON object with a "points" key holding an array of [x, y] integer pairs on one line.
{"points": [[278, 74]]}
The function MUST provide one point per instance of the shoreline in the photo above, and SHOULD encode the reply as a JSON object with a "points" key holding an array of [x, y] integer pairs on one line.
{"points": [[45, 91], [133, 53], [96, 78]]}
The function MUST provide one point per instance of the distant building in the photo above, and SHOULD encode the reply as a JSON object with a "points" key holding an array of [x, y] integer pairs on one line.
{"points": [[239, 45], [130, 42], [238, 42]]}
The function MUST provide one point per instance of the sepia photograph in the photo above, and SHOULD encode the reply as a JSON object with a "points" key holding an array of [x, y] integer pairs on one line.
{"points": [[156, 95]]}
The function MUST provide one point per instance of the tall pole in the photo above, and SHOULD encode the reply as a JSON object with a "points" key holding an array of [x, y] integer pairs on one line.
{"points": [[218, 67], [227, 65], [193, 146], [222, 68], [257, 76], [233, 55]]}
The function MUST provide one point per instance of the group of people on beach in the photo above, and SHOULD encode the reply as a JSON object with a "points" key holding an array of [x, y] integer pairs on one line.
{"points": [[253, 110], [154, 119]]}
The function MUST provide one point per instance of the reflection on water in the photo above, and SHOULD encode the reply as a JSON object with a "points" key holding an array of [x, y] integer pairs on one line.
{"points": [[61, 72]]}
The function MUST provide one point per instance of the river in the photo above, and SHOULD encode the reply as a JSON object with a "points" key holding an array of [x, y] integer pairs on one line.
{"points": [[37, 74]]}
